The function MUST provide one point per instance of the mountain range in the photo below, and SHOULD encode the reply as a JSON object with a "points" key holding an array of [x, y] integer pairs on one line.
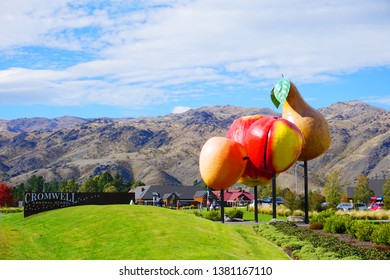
{"points": [[165, 150]]}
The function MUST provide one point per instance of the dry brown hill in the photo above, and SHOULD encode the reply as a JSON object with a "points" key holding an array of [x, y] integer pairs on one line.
{"points": [[165, 150]]}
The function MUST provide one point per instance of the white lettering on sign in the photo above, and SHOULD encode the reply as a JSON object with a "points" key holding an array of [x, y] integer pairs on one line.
{"points": [[32, 197]]}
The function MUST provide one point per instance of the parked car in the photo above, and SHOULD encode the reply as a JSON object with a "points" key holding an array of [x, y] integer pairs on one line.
{"points": [[361, 206], [376, 206], [268, 200], [344, 206]]}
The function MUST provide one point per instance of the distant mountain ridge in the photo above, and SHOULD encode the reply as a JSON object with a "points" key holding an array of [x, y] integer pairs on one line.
{"points": [[165, 150]]}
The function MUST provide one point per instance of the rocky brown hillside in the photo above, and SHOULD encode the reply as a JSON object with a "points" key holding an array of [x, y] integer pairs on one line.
{"points": [[165, 150]]}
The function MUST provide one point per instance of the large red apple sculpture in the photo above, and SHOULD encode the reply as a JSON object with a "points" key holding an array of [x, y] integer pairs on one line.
{"points": [[273, 144], [222, 162], [252, 175]]}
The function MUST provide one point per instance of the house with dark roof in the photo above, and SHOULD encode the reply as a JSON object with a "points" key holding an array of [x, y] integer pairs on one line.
{"points": [[172, 195], [202, 196]]}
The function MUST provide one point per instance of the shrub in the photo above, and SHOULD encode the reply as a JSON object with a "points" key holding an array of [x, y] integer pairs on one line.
{"points": [[317, 225], [320, 217], [359, 214], [298, 213], [235, 213], [363, 230], [380, 215], [11, 210], [214, 215], [312, 214], [197, 213], [336, 224], [381, 234], [280, 210], [326, 246], [287, 212], [265, 210], [350, 227]]}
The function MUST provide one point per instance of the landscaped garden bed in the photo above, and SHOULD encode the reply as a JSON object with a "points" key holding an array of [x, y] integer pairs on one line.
{"points": [[307, 244]]}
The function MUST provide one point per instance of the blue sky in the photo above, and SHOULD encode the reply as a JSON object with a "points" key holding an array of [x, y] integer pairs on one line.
{"points": [[153, 57]]}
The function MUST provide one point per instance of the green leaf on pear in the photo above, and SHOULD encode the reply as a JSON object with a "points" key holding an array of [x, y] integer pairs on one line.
{"points": [[274, 100], [280, 91]]}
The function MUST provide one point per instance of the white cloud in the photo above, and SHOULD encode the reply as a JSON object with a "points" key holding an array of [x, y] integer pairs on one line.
{"points": [[384, 100], [145, 50], [180, 109]]}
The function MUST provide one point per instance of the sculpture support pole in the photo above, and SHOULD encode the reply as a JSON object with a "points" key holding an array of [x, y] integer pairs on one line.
{"points": [[306, 193], [274, 196], [222, 207], [256, 207]]}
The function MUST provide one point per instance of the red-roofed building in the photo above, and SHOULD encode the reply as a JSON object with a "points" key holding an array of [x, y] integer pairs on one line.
{"points": [[235, 197]]}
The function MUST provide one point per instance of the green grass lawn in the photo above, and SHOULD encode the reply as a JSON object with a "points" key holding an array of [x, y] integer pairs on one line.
{"points": [[128, 232], [248, 216]]}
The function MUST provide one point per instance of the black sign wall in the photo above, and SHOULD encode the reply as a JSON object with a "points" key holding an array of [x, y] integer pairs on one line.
{"points": [[36, 202]]}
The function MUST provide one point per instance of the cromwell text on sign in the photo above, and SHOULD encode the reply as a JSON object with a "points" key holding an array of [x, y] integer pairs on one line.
{"points": [[36, 202]]}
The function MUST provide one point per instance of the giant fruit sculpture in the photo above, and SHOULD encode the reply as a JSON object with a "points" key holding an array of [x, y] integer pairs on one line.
{"points": [[252, 175], [222, 162], [273, 144], [313, 125]]}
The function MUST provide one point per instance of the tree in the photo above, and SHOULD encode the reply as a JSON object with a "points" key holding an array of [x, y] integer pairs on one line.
{"points": [[333, 188], [386, 193], [90, 185], [315, 200], [18, 191], [119, 183], [110, 188], [344, 197], [70, 186], [137, 184], [6, 195], [35, 184], [104, 179], [362, 191], [293, 200]]}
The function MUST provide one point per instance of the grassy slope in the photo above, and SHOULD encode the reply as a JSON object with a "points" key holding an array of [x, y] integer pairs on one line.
{"points": [[128, 232]]}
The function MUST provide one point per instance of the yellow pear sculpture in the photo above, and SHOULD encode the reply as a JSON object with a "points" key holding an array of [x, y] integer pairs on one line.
{"points": [[313, 125]]}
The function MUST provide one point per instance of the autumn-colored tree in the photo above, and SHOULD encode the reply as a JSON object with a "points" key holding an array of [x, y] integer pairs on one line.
{"points": [[315, 200], [5, 195], [344, 198]]}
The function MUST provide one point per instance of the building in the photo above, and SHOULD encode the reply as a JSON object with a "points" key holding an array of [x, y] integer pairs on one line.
{"points": [[235, 197], [202, 196], [376, 185], [172, 195]]}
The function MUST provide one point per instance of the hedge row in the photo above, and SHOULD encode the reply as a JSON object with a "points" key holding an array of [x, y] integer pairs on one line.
{"points": [[308, 245], [215, 215], [10, 210], [378, 233]]}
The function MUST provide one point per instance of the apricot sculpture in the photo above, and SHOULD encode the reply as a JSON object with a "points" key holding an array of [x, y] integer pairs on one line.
{"points": [[222, 162]]}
